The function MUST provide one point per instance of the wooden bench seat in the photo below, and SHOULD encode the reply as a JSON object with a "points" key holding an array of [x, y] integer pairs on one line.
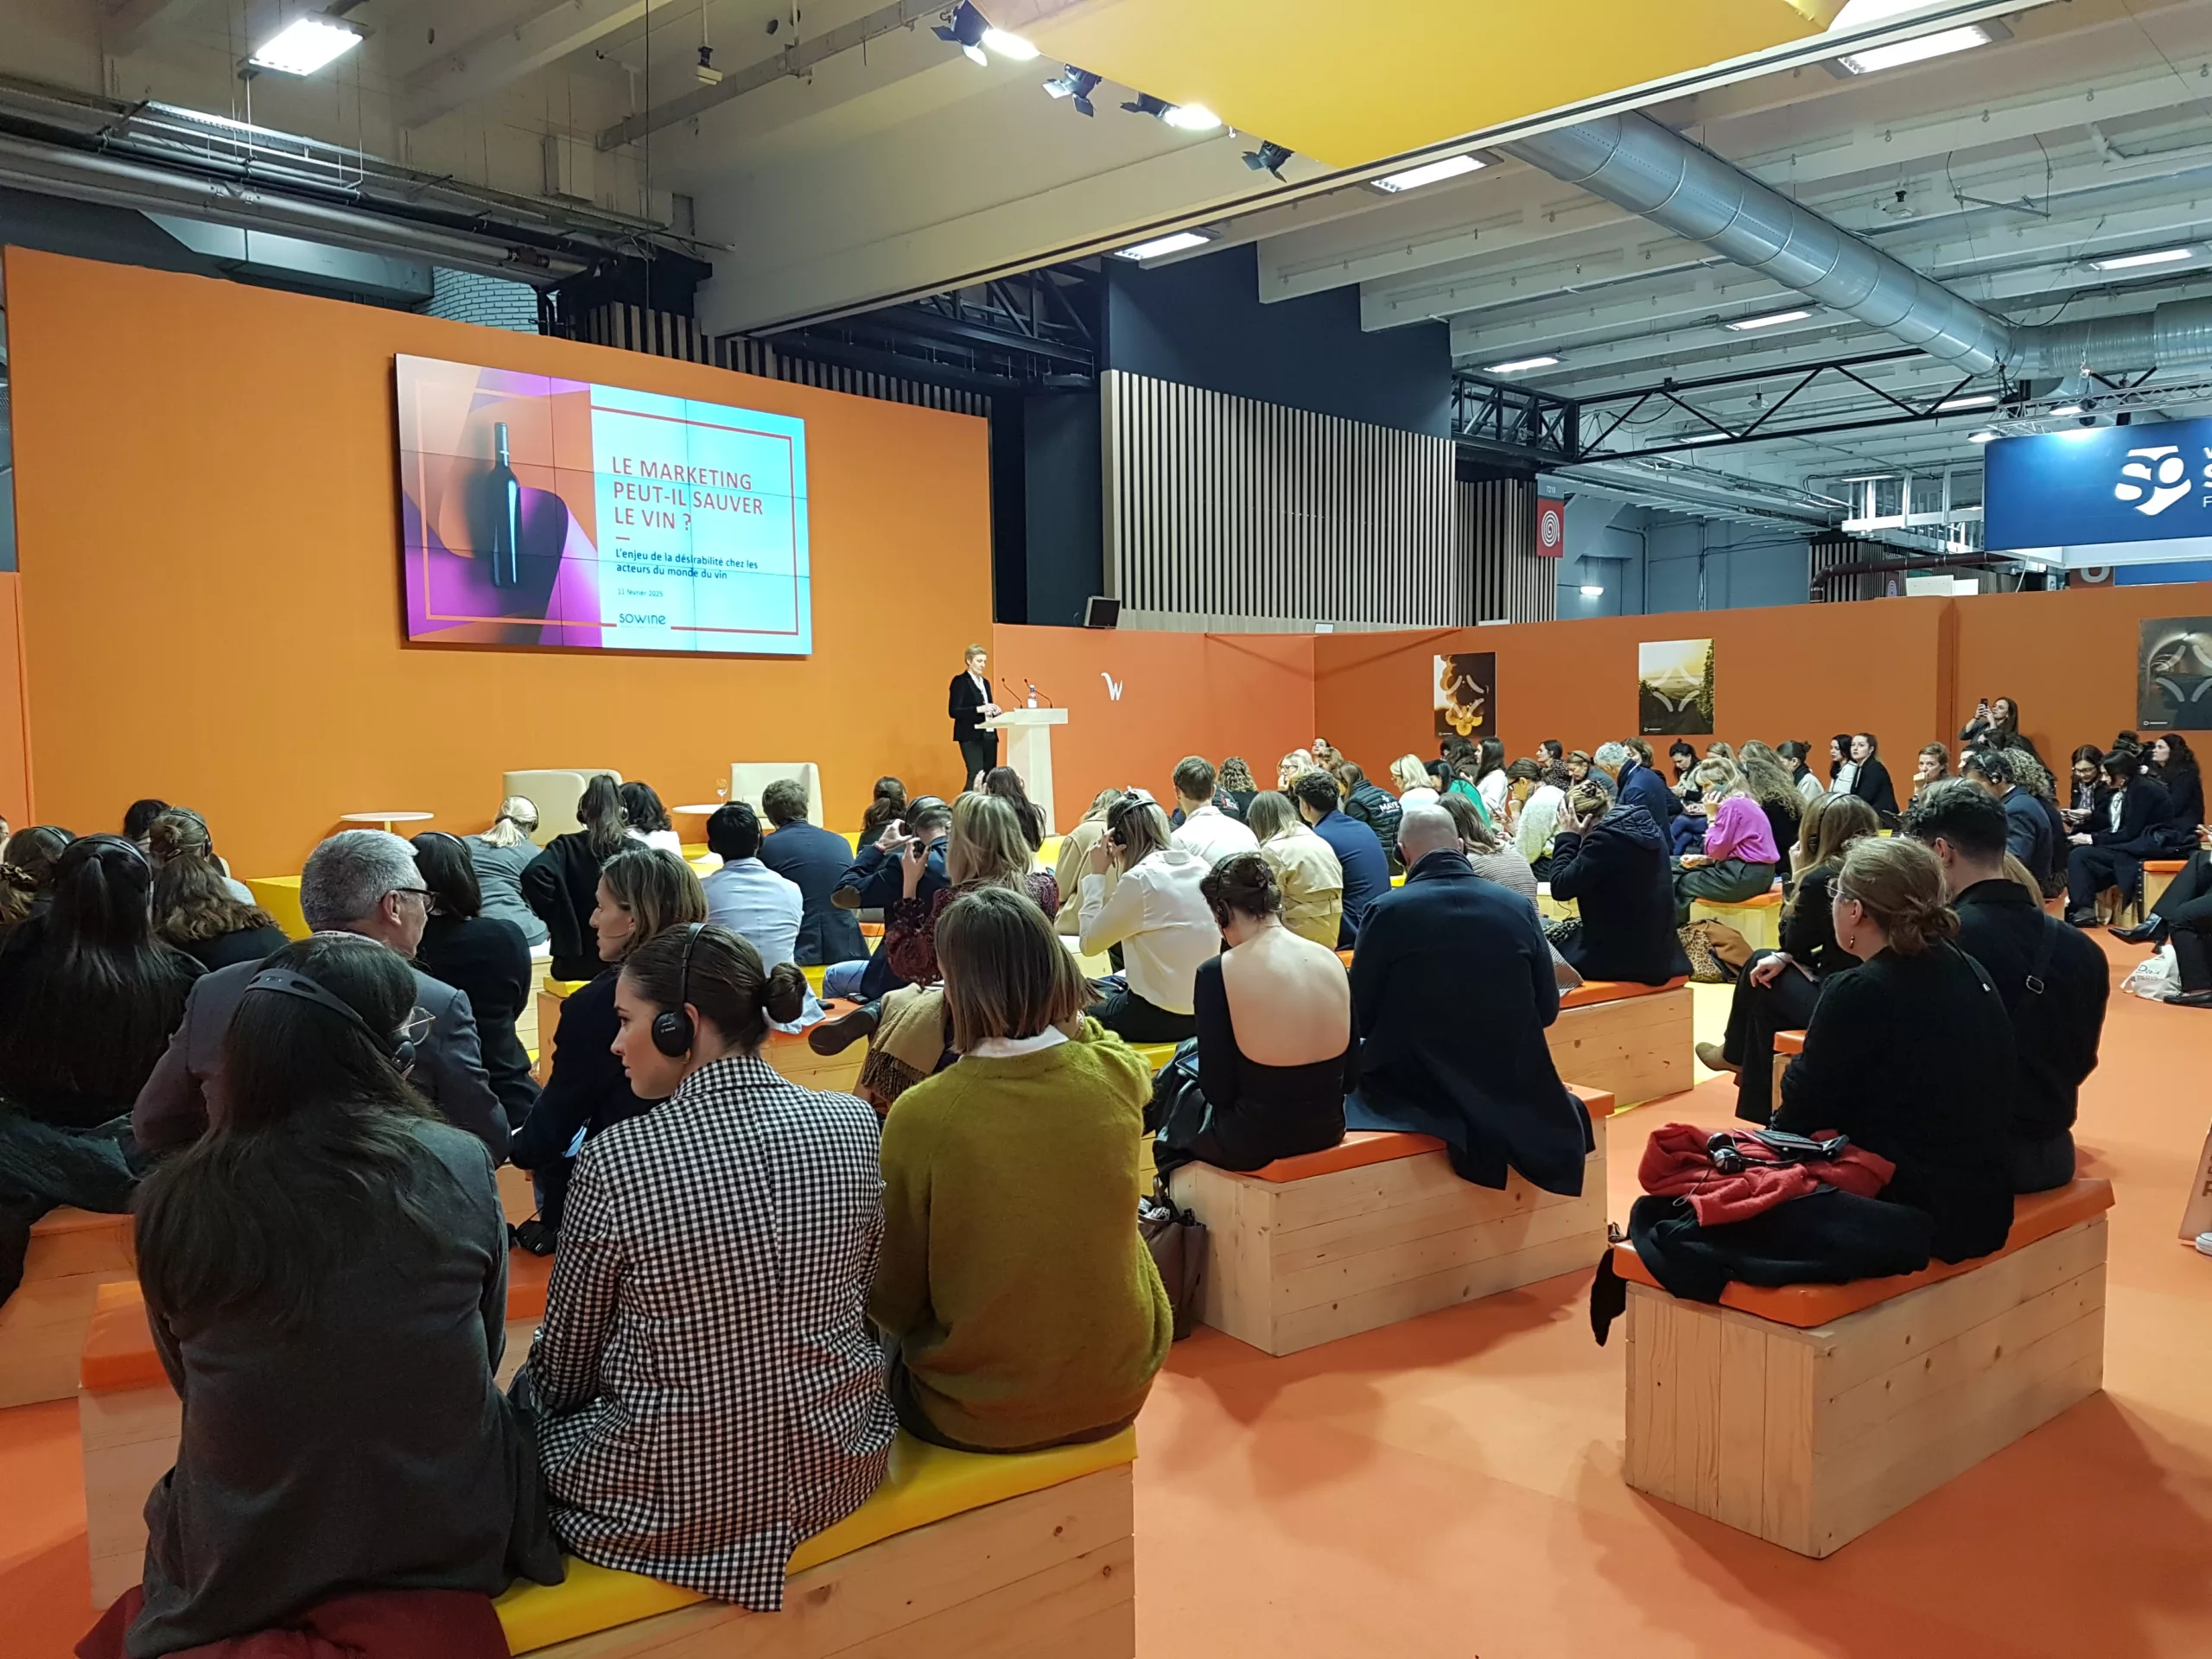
{"points": [[1630, 1041], [72, 1253], [956, 1554], [1758, 918], [551, 994], [2157, 875], [129, 1418], [1806, 1414], [1375, 1230]]}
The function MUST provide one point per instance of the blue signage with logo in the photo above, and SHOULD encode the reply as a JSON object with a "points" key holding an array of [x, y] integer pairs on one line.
{"points": [[2099, 485]]}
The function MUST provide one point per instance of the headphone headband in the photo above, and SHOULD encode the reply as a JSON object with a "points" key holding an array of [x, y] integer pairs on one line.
{"points": [[286, 981], [672, 1032]]}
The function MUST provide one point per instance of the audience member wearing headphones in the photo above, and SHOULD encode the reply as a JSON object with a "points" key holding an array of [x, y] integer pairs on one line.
{"points": [[481, 956], [706, 1392], [27, 858], [359, 881], [500, 855], [196, 907], [1019, 1325], [642, 894], [325, 1277], [88, 998]]}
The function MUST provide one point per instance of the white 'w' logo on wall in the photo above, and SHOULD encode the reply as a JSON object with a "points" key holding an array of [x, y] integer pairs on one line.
{"points": [[1113, 686]]}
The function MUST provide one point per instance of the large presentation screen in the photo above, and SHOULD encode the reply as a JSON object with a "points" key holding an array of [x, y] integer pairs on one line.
{"points": [[537, 512]]}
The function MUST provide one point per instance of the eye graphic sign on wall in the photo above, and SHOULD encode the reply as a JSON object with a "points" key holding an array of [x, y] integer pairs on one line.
{"points": [[2099, 485]]}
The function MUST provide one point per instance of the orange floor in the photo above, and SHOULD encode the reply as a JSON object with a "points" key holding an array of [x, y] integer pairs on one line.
{"points": [[1452, 1486]]}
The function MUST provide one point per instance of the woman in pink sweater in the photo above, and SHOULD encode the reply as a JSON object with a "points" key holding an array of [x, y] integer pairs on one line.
{"points": [[1739, 857]]}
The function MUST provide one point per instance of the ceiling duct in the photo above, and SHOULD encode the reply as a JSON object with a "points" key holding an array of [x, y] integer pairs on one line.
{"points": [[1634, 162]]}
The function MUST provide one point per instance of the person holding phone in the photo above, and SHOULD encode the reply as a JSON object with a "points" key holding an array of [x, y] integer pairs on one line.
{"points": [[879, 878], [969, 703]]}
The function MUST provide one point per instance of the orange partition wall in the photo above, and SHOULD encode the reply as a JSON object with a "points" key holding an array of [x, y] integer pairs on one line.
{"points": [[207, 513], [15, 741], [1139, 702], [1798, 671]]}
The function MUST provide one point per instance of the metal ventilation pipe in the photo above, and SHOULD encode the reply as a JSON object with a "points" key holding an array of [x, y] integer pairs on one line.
{"points": [[1634, 162]]}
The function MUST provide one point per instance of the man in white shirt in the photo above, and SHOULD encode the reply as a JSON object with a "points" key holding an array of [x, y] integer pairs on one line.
{"points": [[1206, 829], [751, 899]]}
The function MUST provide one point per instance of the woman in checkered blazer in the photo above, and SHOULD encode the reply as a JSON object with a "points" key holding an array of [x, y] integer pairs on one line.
{"points": [[705, 1390]]}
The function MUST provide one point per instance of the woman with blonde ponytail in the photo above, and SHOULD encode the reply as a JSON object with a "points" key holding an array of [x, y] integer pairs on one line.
{"points": [[1910, 1053], [500, 856]]}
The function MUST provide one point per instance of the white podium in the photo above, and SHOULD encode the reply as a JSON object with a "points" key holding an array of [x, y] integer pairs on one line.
{"points": [[1029, 752]]}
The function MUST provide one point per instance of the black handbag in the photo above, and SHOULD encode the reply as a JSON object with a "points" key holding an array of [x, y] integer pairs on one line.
{"points": [[1177, 1240]]}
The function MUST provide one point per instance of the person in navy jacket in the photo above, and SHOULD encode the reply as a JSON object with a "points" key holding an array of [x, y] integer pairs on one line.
{"points": [[2127, 825], [1358, 848], [817, 860]]}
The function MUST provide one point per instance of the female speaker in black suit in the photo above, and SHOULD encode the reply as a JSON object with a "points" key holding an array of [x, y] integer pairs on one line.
{"points": [[969, 703]]}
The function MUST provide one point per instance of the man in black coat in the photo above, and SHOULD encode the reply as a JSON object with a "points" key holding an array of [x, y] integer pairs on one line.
{"points": [[2127, 826], [2027, 826], [969, 703], [816, 860], [2054, 983], [1613, 864], [2183, 918], [1452, 987]]}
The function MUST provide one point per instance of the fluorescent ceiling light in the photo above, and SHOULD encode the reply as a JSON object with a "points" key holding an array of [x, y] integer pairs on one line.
{"points": [[2067, 408], [1977, 400], [1452, 166], [1173, 242], [1008, 45], [1705, 437], [2131, 261], [1983, 436], [1591, 590], [1745, 324], [1521, 366], [1875, 59], [1190, 117], [304, 45]]}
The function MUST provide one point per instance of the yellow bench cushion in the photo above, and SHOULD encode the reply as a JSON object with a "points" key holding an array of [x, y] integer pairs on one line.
{"points": [[1156, 1055], [564, 989], [927, 1483]]}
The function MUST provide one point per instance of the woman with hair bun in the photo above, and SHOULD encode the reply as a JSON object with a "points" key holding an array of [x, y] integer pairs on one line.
{"points": [[196, 907], [27, 871], [1910, 1054], [706, 1393], [1275, 1051]]}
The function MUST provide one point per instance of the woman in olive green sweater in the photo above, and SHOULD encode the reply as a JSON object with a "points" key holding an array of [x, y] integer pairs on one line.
{"points": [[1025, 1309]]}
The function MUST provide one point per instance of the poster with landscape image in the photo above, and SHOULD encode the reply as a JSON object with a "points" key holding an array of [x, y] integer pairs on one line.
{"points": [[2173, 681], [1673, 688]]}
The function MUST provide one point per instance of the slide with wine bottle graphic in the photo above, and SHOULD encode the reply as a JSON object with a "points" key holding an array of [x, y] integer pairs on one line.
{"points": [[541, 512]]}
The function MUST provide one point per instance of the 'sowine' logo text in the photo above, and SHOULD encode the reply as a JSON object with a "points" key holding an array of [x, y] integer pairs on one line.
{"points": [[2153, 480]]}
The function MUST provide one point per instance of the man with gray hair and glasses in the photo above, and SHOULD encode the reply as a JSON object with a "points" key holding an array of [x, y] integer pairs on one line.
{"points": [[358, 881], [1636, 784]]}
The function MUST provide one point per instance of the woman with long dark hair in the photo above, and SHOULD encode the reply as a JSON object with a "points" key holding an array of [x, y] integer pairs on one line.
{"points": [[88, 999], [646, 819], [325, 1276], [2174, 766], [1006, 783], [640, 895], [1840, 763], [1489, 780], [195, 907], [561, 883], [706, 1392], [1996, 725], [482, 956], [886, 804]]}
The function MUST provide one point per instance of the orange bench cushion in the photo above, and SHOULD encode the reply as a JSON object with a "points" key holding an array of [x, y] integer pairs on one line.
{"points": [[2165, 865], [1790, 1042], [118, 1351], [1758, 901], [2036, 1216], [1592, 991], [1361, 1147]]}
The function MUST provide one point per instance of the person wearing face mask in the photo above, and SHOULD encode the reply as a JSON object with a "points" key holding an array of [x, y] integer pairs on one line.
{"points": [[642, 892], [705, 1392], [361, 882]]}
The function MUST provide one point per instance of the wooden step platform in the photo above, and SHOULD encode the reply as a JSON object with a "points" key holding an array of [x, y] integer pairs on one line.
{"points": [[1375, 1231], [72, 1253], [1807, 1414], [1758, 919], [1633, 1042]]}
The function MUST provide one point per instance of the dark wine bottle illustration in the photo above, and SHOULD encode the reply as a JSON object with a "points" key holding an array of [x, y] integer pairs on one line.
{"points": [[502, 514]]}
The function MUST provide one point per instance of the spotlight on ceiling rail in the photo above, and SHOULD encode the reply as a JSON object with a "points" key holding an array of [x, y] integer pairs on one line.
{"points": [[1076, 86], [1268, 158]]}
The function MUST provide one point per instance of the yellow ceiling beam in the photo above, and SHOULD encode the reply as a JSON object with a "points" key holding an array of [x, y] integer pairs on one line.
{"points": [[1346, 84]]}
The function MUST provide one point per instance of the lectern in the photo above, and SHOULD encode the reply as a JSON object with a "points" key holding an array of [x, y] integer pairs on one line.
{"points": [[1029, 752]]}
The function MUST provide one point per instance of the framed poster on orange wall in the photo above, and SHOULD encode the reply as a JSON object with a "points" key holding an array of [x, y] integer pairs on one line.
{"points": [[1464, 688]]}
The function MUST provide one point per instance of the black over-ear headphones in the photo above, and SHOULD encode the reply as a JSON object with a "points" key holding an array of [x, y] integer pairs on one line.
{"points": [[285, 983], [672, 1032]]}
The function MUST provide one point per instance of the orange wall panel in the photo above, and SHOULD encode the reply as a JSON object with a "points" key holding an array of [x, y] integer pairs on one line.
{"points": [[207, 513], [1209, 694], [15, 739], [1796, 672]]}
